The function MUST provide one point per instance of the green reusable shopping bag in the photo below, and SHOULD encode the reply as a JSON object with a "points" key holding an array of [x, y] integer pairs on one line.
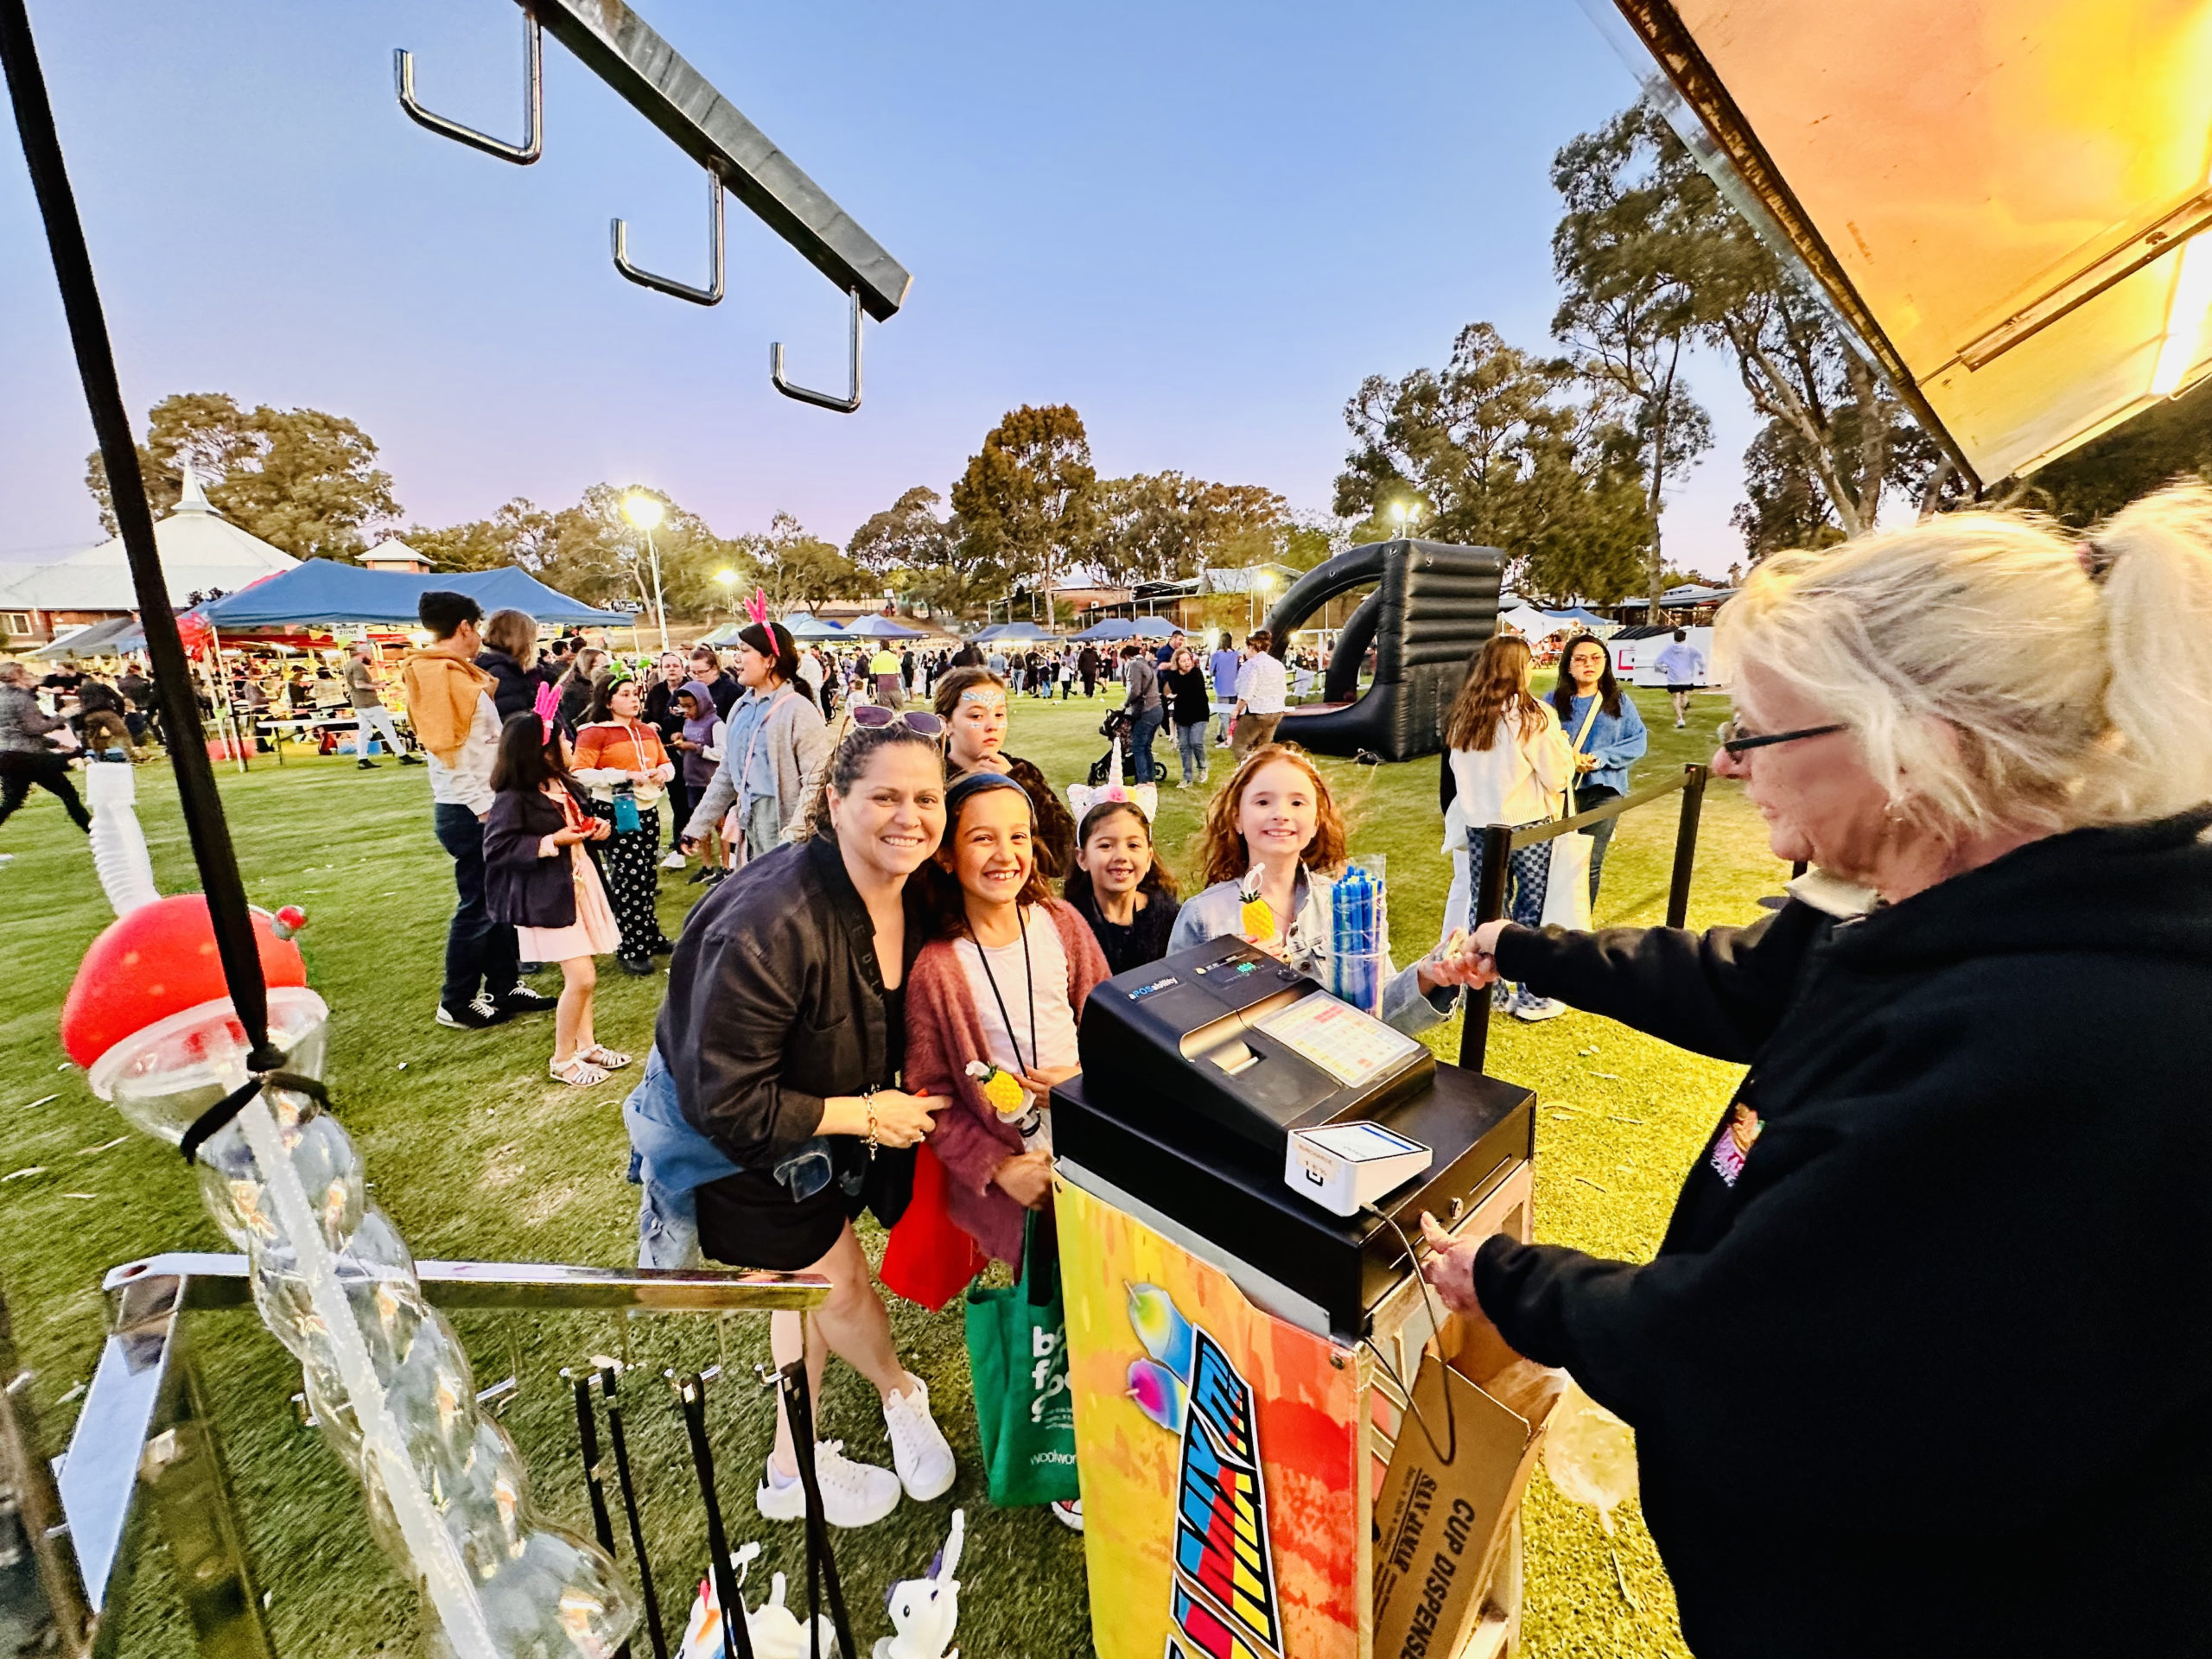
{"points": [[1017, 1353]]}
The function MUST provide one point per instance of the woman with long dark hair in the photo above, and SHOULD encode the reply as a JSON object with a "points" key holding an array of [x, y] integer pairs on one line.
{"points": [[619, 760], [1605, 732], [1506, 762], [1119, 886], [773, 1107]]}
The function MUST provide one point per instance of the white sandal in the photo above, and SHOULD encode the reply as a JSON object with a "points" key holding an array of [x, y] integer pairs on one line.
{"points": [[600, 1054], [579, 1072]]}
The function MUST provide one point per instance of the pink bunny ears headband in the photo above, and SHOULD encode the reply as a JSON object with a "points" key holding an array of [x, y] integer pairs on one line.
{"points": [[548, 705], [757, 608]]}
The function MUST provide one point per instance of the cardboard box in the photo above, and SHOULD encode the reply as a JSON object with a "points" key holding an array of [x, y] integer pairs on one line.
{"points": [[1447, 1508]]}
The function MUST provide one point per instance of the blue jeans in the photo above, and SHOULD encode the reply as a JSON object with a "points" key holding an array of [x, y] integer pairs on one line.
{"points": [[1190, 749], [1148, 728], [479, 950]]}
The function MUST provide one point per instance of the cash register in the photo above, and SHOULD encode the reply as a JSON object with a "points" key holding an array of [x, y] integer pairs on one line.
{"points": [[1230, 1098]]}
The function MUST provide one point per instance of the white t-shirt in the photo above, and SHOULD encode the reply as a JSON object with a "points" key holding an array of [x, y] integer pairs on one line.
{"points": [[1262, 684], [1011, 1050]]}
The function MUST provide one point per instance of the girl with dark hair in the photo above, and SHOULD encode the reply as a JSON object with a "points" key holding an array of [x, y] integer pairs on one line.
{"points": [[1000, 990], [1605, 731], [771, 1106], [576, 686], [1273, 846], [774, 742], [537, 882], [1505, 761], [620, 761], [1119, 886], [971, 702]]}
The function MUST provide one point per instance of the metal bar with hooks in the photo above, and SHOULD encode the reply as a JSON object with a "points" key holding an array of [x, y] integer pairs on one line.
{"points": [[710, 294], [619, 47], [533, 102], [830, 400]]}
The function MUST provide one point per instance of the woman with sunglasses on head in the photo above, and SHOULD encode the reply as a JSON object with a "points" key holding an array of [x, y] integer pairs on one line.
{"points": [[774, 742], [1927, 1325], [972, 703], [773, 1111]]}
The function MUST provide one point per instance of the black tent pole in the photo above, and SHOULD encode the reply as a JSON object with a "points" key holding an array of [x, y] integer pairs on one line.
{"points": [[195, 777]]}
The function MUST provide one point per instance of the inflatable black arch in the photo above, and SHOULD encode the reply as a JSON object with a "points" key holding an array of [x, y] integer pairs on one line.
{"points": [[1433, 606]]}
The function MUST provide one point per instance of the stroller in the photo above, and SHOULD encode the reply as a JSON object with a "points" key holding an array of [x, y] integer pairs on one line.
{"points": [[1117, 729]]}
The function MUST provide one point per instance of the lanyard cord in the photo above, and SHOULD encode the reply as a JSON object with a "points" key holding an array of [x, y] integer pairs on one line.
{"points": [[1012, 1036]]}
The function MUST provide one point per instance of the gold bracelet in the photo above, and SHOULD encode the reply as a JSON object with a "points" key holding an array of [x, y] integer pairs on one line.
{"points": [[868, 1105]]}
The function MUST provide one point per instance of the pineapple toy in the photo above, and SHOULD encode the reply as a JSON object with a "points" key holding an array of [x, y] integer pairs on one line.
{"points": [[1257, 920], [1001, 1088]]}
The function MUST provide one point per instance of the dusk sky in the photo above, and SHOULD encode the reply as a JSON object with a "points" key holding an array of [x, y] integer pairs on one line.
{"points": [[1201, 225]]}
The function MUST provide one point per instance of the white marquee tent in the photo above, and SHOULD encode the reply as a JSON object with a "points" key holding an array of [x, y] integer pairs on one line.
{"points": [[200, 550]]}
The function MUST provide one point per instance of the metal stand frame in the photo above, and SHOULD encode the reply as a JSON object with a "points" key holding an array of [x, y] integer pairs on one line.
{"points": [[145, 1430], [1501, 841]]}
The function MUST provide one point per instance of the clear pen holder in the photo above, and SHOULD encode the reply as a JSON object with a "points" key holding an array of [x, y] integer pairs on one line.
{"points": [[1358, 977]]}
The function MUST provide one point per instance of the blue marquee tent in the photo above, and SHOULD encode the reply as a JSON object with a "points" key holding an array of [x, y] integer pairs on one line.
{"points": [[1113, 628], [880, 627], [812, 627], [324, 591]]}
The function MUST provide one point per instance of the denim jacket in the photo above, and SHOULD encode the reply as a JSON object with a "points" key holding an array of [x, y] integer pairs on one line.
{"points": [[671, 1160], [1615, 739], [1218, 913]]}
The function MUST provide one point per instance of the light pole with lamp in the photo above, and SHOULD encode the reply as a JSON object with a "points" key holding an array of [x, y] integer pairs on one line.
{"points": [[726, 578], [646, 511], [1262, 583], [1405, 513]]}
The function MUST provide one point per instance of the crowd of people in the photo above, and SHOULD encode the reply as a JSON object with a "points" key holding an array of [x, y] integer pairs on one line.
{"points": [[1966, 1147]]}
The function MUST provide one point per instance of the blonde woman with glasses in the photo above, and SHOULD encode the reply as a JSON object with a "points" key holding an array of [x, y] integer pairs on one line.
{"points": [[1926, 1342]]}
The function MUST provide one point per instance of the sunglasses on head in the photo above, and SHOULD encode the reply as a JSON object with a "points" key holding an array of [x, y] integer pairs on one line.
{"points": [[875, 716]]}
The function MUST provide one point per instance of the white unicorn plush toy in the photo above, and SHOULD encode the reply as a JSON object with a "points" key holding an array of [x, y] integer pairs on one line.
{"points": [[924, 1611]]}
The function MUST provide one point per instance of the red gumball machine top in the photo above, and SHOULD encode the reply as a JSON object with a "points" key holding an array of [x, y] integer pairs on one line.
{"points": [[160, 960]]}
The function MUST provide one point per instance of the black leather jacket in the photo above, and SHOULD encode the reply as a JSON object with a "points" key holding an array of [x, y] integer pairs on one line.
{"points": [[515, 690], [776, 1002]]}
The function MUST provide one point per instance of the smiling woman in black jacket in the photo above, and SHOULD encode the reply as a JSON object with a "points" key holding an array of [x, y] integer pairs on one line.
{"points": [[1924, 1362], [782, 1041]]}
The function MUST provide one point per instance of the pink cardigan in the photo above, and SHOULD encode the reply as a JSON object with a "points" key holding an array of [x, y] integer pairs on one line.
{"points": [[943, 1035]]}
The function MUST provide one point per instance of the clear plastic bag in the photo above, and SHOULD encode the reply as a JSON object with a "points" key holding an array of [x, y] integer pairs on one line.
{"points": [[1590, 1454]]}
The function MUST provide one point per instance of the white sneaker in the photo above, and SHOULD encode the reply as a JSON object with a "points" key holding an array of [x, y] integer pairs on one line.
{"points": [[852, 1494], [1533, 1008], [917, 1449], [675, 861], [1068, 1511]]}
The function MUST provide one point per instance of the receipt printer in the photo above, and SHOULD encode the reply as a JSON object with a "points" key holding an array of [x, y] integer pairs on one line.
{"points": [[1348, 1165]]}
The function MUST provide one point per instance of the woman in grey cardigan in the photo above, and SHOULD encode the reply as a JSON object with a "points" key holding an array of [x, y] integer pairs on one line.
{"points": [[772, 747]]}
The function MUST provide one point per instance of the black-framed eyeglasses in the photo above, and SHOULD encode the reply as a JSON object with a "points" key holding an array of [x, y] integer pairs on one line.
{"points": [[920, 722], [1735, 740]]}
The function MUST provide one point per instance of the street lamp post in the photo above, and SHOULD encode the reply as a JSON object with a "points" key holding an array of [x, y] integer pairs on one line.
{"points": [[726, 578], [646, 511], [1405, 513]]}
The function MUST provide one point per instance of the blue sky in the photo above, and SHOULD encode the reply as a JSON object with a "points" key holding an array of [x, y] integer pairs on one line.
{"points": [[1201, 225]]}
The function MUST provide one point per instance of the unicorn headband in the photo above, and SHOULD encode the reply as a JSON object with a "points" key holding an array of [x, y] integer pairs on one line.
{"points": [[1143, 796]]}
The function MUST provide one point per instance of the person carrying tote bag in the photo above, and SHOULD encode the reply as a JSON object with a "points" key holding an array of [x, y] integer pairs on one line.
{"points": [[1506, 761], [1567, 888], [1609, 736]]}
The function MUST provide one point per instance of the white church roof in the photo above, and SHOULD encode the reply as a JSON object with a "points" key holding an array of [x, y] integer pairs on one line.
{"points": [[199, 548]]}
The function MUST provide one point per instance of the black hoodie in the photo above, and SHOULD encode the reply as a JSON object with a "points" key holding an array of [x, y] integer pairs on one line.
{"points": [[1924, 1363]]}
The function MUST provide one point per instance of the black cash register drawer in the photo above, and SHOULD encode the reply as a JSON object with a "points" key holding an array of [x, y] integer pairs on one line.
{"points": [[1184, 1166]]}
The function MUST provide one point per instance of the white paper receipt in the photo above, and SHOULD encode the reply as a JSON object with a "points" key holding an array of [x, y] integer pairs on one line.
{"points": [[1346, 1043]]}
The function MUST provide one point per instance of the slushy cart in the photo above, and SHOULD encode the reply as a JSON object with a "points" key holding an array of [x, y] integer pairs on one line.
{"points": [[1241, 1168]]}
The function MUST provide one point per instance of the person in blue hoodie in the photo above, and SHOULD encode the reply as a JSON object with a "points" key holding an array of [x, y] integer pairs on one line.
{"points": [[1606, 732]]}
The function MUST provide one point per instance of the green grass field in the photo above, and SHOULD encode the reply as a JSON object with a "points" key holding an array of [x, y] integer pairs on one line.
{"points": [[475, 1153]]}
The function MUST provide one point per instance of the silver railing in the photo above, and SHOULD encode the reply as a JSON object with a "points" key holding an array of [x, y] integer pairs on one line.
{"points": [[145, 1441]]}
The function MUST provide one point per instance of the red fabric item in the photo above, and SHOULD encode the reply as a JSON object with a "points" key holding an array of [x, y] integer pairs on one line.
{"points": [[943, 1035], [928, 1258]]}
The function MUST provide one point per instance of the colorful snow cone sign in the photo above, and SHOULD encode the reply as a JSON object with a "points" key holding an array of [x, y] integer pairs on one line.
{"points": [[1219, 1448], [448, 1496]]}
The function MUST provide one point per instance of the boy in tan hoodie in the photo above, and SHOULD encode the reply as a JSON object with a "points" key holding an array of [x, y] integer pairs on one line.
{"points": [[449, 705]]}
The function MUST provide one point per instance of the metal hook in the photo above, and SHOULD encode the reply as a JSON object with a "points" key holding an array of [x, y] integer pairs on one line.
{"points": [[533, 138], [712, 294], [844, 405]]}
